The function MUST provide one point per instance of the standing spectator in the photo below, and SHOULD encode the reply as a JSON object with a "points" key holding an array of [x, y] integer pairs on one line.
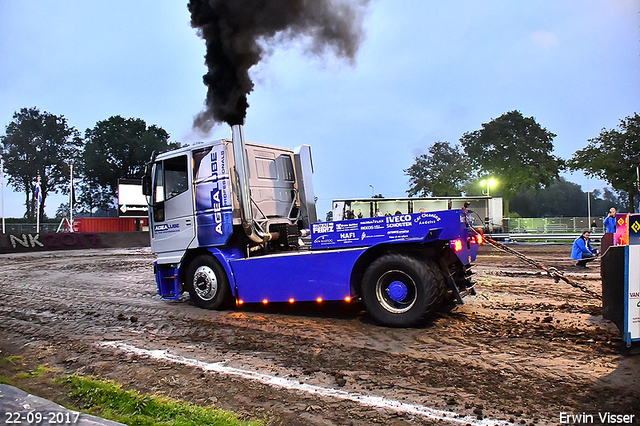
{"points": [[582, 250], [609, 224]]}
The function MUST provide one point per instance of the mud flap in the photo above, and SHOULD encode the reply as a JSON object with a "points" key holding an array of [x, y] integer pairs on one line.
{"points": [[450, 281]]}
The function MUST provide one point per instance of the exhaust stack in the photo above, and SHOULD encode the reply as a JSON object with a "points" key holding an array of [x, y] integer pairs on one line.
{"points": [[244, 192]]}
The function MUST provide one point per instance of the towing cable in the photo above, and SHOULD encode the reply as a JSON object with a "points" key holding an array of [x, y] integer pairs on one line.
{"points": [[554, 273]]}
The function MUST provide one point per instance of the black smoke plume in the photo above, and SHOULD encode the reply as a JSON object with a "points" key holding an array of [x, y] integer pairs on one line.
{"points": [[238, 34]]}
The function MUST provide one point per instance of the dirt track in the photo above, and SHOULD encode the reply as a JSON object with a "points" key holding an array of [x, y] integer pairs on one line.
{"points": [[524, 350]]}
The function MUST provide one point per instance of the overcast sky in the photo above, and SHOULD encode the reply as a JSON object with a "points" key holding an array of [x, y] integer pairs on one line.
{"points": [[426, 71]]}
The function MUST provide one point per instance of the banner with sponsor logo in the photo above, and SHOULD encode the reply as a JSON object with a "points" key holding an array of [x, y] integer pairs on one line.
{"points": [[131, 201], [370, 231]]}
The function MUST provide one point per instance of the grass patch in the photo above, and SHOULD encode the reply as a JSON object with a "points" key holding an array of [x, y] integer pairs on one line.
{"points": [[40, 371], [107, 399], [13, 359]]}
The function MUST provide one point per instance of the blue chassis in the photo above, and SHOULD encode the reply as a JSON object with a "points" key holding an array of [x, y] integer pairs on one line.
{"points": [[326, 270]]}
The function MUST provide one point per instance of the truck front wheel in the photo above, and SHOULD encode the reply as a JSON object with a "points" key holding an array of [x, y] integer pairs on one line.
{"points": [[400, 290], [207, 283]]}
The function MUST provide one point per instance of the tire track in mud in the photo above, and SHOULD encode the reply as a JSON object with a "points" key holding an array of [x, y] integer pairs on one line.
{"points": [[486, 352], [439, 363]]}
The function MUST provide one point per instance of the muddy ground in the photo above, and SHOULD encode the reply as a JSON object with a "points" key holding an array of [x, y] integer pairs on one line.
{"points": [[523, 350]]}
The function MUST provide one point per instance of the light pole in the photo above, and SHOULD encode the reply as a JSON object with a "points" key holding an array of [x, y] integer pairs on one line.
{"points": [[488, 183], [588, 207], [71, 195], [372, 191]]}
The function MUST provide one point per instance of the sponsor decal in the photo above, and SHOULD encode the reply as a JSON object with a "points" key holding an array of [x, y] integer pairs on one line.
{"points": [[398, 231], [370, 227], [427, 219], [219, 191], [347, 226], [165, 228], [323, 239], [367, 236], [398, 221], [373, 221], [323, 227], [348, 237]]}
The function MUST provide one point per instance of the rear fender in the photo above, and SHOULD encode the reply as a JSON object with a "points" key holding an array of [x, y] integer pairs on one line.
{"points": [[429, 250]]}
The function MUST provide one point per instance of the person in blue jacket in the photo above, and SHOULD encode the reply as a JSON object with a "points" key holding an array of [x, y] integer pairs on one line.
{"points": [[610, 222], [582, 250]]}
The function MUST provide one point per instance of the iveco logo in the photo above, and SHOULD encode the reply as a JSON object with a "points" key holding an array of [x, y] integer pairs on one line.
{"points": [[399, 218]]}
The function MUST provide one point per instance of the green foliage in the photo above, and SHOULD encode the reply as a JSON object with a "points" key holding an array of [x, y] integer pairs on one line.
{"points": [[561, 198], [63, 210], [13, 359], [117, 148], [35, 144], [38, 372], [516, 151], [441, 172], [613, 156], [109, 400]]}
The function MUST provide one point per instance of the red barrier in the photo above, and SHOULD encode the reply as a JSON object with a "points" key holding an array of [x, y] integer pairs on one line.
{"points": [[109, 224]]}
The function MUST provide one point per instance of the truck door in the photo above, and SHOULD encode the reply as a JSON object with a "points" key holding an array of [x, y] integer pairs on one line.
{"points": [[172, 213]]}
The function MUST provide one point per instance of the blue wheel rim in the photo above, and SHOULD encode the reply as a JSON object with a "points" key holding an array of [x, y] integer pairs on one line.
{"points": [[397, 291]]}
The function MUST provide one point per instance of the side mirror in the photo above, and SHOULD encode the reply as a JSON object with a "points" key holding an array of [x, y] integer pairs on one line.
{"points": [[146, 184], [147, 189]]}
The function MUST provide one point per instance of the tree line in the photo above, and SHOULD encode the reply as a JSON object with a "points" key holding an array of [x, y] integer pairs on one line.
{"points": [[40, 146], [517, 153], [514, 150]]}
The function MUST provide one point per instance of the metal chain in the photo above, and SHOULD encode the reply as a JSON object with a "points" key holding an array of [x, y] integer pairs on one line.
{"points": [[554, 273]]}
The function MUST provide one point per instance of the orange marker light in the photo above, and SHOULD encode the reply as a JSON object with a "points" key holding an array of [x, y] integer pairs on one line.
{"points": [[291, 300], [480, 239], [319, 299], [265, 301], [240, 302], [457, 245], [347, 299]]}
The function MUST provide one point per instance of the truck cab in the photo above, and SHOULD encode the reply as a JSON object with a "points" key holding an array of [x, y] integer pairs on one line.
{"points": [[235, 222]]}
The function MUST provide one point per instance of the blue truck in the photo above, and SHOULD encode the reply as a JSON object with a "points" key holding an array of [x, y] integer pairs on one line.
{"points": [[235, 222]]}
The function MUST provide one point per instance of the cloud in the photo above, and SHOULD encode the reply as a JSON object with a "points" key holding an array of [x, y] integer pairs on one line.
{"points": [[545, 39]]}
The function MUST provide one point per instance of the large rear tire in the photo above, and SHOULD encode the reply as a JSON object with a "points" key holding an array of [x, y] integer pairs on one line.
{"points": [[208, 284], [400, 290]]}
